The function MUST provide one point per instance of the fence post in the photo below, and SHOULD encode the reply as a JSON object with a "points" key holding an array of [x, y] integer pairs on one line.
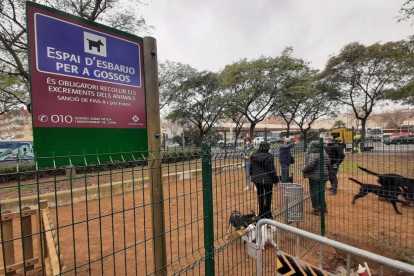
{"points": [[7, 231], [41, 242], [322, 185], [154, 145], [27, 231], [208, 210]]}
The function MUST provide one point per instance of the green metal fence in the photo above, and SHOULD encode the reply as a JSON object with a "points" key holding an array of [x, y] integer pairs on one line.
{"points": [[94, 217], [371, 222], [229, 194]]}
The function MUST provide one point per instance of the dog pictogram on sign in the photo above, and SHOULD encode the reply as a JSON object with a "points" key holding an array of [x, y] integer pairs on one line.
{"points": [[94, 44]]}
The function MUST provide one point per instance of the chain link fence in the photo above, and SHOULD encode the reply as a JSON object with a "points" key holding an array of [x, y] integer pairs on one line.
{"points": [[93, 216]]}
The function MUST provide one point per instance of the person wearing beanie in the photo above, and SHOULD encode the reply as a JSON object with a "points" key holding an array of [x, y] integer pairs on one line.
{"points": [[263, 173], [311, 170]]}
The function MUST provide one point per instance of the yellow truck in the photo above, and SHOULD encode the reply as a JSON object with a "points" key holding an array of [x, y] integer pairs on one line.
{"points": [[345, 136]]}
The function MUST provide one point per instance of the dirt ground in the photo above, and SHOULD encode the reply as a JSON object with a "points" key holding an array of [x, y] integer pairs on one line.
{"points": [[112, 236]]}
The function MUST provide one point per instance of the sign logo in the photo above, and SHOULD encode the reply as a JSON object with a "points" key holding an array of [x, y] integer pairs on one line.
{"points": [[43, 118], [135, 118], [94, 44]]}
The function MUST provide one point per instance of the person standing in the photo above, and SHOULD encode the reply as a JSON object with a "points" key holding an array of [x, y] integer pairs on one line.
{"points": [[247, 152], [264, 175], [336, 156], [286, 158], [311, 170]]}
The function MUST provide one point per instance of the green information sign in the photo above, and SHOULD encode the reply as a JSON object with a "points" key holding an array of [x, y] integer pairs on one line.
{"points": [[87, 85]]}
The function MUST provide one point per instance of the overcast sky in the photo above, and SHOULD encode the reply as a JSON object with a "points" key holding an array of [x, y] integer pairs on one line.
{"points": [[208, 34]]}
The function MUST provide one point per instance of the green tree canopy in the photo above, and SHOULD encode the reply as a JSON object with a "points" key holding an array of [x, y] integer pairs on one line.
{"points": [[403, 91], [338, 124], [315, 106], [200, 103], [407, 11], [234, 112], [296, 89], [360, 76], [254, 86], [171, 77]]}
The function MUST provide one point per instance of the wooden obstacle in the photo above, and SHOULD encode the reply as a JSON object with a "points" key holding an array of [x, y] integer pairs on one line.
{"points": [[45, 234], [53, 260], [24, 219]]}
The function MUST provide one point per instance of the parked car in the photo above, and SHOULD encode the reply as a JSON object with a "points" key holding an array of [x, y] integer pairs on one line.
{"points": [[401, 139]]}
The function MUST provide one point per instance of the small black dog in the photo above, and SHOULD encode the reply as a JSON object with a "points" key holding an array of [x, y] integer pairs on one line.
{"points": [[238, 220], [391, 181], [389, 195]]}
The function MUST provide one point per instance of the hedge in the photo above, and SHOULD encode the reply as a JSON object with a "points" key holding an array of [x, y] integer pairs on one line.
{"points": [[28, 170]]}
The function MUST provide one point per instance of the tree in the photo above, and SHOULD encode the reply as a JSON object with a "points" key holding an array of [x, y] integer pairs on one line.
{"points": [[255, 86], [171, 77], [404, 90], [359, 76], [177, 139], [13, 38], [213, 136], [173, 127], [12, 124], [406, 11], [295, 89], [234, 112], [403, 95], [338, 124], [13, 93], [302, 100], [200, 102], [312, 134], [314, 105], [191, 137], [396, 117]]}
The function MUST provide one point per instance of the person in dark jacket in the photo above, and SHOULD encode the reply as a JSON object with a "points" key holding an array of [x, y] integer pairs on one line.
{"points": [[336, 156], [311, 170], [285, 158], [264, 175]]}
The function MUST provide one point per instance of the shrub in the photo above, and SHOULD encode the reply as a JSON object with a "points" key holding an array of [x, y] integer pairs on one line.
{"points": [[28, 170]]}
